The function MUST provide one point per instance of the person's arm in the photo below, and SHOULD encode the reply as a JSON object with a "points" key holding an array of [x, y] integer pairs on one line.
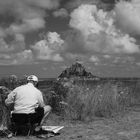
{"points": [[11, 98], [40, 100]]}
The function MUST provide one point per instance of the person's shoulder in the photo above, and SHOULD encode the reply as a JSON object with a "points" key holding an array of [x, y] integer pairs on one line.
{"points": [[19, 87], [39, 91]]}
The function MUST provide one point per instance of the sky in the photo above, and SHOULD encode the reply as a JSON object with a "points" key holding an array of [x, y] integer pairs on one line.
{"points": [[43, 37]]}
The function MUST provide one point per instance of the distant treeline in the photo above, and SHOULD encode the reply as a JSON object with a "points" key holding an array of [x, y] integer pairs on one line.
{"points": [[13, 81], [121, 78]]}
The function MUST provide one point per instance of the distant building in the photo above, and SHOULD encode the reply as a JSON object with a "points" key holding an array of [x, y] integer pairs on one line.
{"points": [[77, 71]]}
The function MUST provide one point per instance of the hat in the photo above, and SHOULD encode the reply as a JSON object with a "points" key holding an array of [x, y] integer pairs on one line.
{"points": [[32, 78]]}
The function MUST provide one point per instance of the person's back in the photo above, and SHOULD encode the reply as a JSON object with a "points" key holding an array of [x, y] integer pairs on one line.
{"points": [[26, 99], [28, 102]]}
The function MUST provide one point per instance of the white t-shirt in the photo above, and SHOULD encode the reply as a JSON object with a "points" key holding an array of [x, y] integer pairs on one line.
{"points": [[25, 98]]}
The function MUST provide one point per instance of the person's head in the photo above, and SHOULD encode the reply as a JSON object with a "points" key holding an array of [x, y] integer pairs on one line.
{"points": [[32, 79]]}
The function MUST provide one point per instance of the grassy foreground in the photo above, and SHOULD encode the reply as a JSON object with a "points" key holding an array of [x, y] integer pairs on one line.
{"points": [[118, 128], [94, 111], [84, 102]]}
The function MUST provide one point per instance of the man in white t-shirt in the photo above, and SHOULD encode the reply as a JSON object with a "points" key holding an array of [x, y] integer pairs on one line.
{"points": [[27, 99]]}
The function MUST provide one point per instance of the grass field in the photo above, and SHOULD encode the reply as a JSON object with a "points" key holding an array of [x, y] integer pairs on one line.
{"points": [[94, 110], [88, 99]]}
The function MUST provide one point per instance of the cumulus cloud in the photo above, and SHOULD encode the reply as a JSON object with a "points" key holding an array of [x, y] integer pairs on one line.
{"points": [[127, 16], [99, 32], [14, 52], [107, 56], [94, 59], [23, 57], [61, 13], [28, 14], [18, 44], [55, 41], [27, 26], [49, 48]]}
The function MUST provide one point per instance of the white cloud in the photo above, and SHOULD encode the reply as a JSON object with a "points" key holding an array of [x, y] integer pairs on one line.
{"points": [[94, 59], [27, 16], [27, 26], [16, 54], [55, 41], [23, 57], [61, 13], [107, 56], [50, 48], [127, 16], [100, 34]]}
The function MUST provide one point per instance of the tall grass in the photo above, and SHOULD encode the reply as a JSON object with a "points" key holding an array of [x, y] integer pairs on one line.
{"points": [[104, 99], [85, 103], [4, 110]]}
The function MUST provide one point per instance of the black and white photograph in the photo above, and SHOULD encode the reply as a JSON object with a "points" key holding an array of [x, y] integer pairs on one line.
{"points": [[70, 69]]}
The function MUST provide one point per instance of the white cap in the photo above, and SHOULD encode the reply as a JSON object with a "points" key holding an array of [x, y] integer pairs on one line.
{"points": [[32, 78]]}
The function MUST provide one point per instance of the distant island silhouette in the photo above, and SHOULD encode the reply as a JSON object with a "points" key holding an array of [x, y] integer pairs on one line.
{"points": [[76, 70]]}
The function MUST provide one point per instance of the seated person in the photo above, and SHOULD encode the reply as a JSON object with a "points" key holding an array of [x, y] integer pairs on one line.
{"points": [[28, 100]]}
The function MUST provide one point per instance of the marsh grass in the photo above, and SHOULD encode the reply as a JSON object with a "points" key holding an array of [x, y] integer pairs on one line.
{"points": [[103, 100]]}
